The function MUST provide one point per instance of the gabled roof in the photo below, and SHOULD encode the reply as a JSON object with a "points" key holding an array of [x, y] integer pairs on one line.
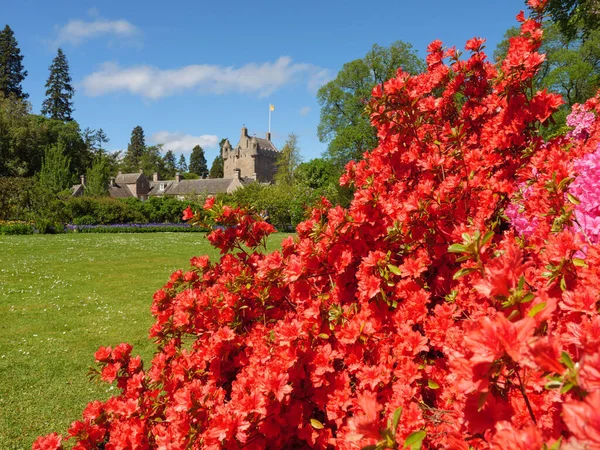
{"points": [[119, 191], [128, 178], [77, 190], [204, 186]]}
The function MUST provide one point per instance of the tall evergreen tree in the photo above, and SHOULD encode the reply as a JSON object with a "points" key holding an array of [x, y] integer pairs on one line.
{"points": [[135, 149], [182, 165], [101, 138], [198, 163], [12, 72], [170, 164], [217, 170], [59, 91]]}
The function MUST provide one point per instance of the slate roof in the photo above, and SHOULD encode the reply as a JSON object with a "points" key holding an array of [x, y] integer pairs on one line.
{"points": [[77, 190], [128, 178], [117, 191], [207, 186], [155, 187], [264, 144]]}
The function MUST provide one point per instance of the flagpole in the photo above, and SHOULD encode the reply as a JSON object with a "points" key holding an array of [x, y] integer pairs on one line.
{"points": [[269, 117]]}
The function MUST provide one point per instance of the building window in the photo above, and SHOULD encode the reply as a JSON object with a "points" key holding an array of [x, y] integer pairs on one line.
{"points": [[161, 187]]}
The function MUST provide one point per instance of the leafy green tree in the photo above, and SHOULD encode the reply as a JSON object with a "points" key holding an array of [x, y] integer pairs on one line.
{"points": [[89, 138], [575, 16], [316, 173], [182, 164], [12, 72], [152, 161], [59, 91], [344, 125], [97, 177], [170, 164], [217, 167], [55, 174], [288, 160], [135, 150], [198, 162], [20, 153]]}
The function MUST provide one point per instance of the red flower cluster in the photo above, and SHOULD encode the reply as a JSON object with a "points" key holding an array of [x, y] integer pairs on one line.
{"points": [[415, 318]]}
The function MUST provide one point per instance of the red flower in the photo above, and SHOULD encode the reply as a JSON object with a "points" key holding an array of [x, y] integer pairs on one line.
{"points": [[50, 442], [187, 213]]}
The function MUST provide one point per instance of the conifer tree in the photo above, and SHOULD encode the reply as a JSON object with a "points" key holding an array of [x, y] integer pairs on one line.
{"points": [[182, 166], [135, 149], [102, 138], [55, 174], [170, 164], [97, 177], [59, 91], [198, 163], [12, 72], [217, 170]]}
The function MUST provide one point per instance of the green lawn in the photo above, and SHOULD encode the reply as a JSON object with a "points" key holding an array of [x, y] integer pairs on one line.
{"points": [[63, 296]]}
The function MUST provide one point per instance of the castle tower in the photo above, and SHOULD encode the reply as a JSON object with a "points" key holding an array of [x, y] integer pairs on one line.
{"points": [[254, 158]]}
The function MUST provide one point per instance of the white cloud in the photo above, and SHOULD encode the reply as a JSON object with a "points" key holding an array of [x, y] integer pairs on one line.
{"points": [[183, 143], [152, 82], [77, 31], [304, 110]]}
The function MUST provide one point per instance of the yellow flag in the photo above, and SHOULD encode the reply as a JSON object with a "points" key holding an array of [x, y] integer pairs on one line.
{"points": [[271, 107]]}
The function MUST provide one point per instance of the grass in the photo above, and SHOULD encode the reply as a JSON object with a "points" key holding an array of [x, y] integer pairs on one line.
{"points": [[62, 297]]}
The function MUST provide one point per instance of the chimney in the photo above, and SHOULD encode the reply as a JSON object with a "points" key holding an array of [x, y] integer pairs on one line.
{"points": [[237, 173], [155, 177], [244, 131], [141, 170], [112, 181], [177, 177], [82, 178], [120, 172], [269, 136]]}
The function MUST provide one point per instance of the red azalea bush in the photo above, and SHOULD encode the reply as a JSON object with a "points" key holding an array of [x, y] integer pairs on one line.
{"points": [[421, 316]]}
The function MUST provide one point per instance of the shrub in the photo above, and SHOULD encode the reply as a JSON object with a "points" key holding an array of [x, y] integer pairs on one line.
{"points": [[16, 228], [421, 316]]}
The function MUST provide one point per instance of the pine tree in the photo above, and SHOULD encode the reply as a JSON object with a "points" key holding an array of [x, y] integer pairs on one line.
{"points": [[135, 149], [182, 166], [198, 163], [217, 170], [59, 91], [12, 73], [170, 164], [101, 138]]}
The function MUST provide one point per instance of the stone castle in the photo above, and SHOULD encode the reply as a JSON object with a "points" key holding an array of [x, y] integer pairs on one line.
{"points": [[254, 157]]}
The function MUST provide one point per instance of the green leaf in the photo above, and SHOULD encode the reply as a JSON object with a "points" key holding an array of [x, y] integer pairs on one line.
{"points": [[567, 387], [457, 248], [536, 309], [563, 284], [316, 424], [573, 199], [577, 262], [394, 269], [565, 358], [432, 384], [396, 421], [554, 384], [462, 272], [324, 336], [415, 440], [527, 297], [486, 237]]}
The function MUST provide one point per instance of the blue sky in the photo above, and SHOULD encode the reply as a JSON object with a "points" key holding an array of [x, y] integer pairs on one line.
{"points": [[192, 72]]}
